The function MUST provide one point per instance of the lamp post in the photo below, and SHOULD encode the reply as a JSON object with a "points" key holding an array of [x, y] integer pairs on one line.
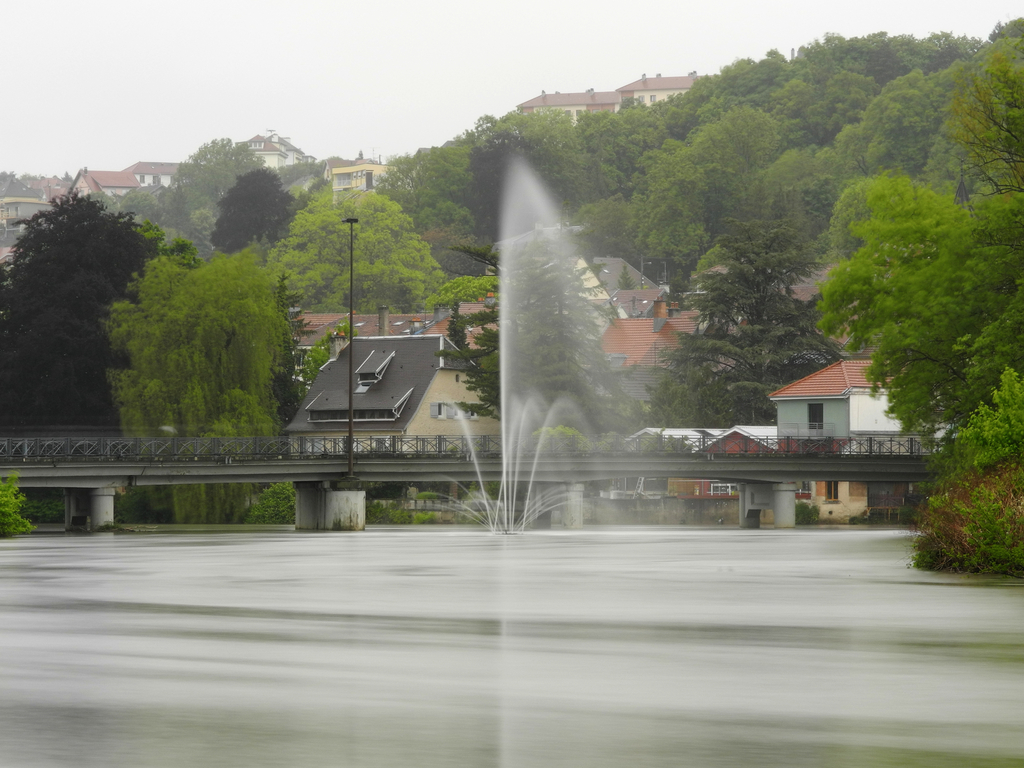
{"points": [[351, 340]]}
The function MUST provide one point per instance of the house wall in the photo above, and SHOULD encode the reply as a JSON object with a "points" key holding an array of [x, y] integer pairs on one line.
{"points": [[867, 413], [836, 412], [852, 501], [449, 386]]}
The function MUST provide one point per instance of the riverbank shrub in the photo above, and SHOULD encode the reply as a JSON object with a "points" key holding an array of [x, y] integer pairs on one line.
{"points": [[43, 505], [807, 513], [424, 518], [11, 501], [275, 506], [975, 524], [974, 521], [382, 513]]}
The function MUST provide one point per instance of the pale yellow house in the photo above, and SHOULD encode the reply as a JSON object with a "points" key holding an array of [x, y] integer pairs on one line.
{"points": [[353, 175], [649, 90], [400, 387]]}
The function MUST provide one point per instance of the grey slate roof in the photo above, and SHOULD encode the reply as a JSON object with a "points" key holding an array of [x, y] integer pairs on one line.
{"points": [[406, 366]]}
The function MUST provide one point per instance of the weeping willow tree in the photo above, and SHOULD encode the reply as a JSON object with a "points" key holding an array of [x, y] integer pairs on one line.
{"points": [[203, 342]]}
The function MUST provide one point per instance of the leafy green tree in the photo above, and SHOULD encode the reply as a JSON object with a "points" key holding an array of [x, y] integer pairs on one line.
{"points": [[393, 265], [275, 506], [11, 501], [203, 344], [142, 205], [463, 289], [608, 230], [189, 206], [256, 208], [72, 262], [988, 116], [547, 140], [759, 335], [935, 292]]}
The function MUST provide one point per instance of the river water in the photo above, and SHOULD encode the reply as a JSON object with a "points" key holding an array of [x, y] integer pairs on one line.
{"points": [[438, 647]]}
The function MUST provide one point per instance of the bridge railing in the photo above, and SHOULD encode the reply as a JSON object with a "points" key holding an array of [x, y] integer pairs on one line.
{"points": [[41, 449]]}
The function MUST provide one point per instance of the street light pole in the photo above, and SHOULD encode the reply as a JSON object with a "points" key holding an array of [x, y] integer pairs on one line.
{"points": [[351, 340]]}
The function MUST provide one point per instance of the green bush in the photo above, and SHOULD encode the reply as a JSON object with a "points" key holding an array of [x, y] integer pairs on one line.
{"points": [[11, 500], [43, 505], [275, 506], [975, 524], [150, 506], [381, 513], [806, 513], [421, 518], [427, 495]]}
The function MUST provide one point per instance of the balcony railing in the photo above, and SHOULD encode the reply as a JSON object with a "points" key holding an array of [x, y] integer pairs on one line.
{"points": [[806, 429]]}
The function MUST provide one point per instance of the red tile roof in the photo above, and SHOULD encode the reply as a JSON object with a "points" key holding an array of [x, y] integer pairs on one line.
{"points": [[636, 338], [838, 379]]}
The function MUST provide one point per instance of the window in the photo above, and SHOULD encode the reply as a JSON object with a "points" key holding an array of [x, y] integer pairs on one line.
{"points": [[832, 490], [815, 415], [653, 98], [437, 410], [719, 489]]}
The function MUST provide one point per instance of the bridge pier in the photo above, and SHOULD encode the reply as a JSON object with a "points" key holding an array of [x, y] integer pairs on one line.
{"points": [[572, 507], [325, 506], [754, 499], [784, 504], [88, 508]]}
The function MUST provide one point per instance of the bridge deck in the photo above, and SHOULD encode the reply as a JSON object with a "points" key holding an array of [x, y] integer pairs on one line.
{"points": [[99, 462]]}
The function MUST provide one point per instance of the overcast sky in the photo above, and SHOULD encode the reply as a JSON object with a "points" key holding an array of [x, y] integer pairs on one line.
{"points": [[106, 83]]}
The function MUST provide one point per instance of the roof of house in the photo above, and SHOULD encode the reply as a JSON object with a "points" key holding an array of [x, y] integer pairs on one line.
{"points": [[637, 302], [97, 181], [18, 189], [834, 381], [399, 370], [571, 99], [643, 339], [608, 271], [163, 169], [659, 83], [317, 325]]}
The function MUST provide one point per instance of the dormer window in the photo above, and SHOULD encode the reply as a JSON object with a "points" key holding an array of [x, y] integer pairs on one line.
{"points": [[372, 370]]}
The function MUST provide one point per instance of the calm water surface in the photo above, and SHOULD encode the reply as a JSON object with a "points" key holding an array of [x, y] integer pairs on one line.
{"points": [[441, 647]]}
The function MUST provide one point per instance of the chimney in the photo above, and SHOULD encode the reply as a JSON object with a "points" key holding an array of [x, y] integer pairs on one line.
{"points": [[416, 325], [85, 171], [673, 310], [660, 309], [441, 312], [383, 318], [338, 342]]}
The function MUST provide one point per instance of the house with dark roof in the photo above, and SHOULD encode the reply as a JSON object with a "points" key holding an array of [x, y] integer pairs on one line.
{"points": [[18, 202], [400, 387]]}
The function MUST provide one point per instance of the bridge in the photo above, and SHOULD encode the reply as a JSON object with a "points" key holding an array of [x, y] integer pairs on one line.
{"points": [[95, 467]]}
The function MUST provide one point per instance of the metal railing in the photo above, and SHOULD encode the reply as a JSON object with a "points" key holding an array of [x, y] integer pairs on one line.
{"points": [[157, 449]]}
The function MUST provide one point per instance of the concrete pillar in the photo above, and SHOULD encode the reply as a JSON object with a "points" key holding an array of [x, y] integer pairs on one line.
{"points": [[572, 509], [784, 504], [101, 507], [330, 507], [753, 496], [309, 506], [77, 509], [345, 510]]}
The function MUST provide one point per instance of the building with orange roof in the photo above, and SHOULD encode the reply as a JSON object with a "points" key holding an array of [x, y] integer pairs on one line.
{"points": [[637, 346], [574, 104], [834, 403]]}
